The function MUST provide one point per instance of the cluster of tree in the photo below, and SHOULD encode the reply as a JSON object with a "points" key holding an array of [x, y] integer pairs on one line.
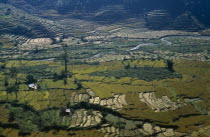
{"points": [[12, 75], [21, 30], [60, 76], [29, 120], [30, 79], [12, 79], [13, 85], [143, 73]]}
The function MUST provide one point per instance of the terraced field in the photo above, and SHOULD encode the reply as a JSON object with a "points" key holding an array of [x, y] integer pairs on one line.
{"points": [[103, 104], [102, 73]]}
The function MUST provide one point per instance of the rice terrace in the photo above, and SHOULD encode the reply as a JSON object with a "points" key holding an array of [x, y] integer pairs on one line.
{"points": [[108, 68]]}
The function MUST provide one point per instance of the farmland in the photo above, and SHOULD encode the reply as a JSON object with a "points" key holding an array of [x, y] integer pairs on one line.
{"points": [[106, 80], [75, 77]]}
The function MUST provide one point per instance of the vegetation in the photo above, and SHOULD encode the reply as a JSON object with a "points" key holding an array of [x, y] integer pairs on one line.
{"points": [[106, 58], [146, 73], [30, 121], [181, 45], [37, 71], [30, 79]]}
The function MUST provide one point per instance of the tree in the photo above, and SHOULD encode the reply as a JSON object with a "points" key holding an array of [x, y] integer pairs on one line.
{"points": [[3, 66], [55, 76], [170, 64], [13, 72], [79, 85], [8, 12], [54, 41], [30, 79], [65, 81], [6, 83], [12, 85], [62, 37], [83, 39], [39, 88], [127, 66], [62, 75], [64, 56], [13, 88]]}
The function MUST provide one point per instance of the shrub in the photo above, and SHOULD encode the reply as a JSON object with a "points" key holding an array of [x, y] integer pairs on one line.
{"points": [[83, 39], [30, 79], [3, 66]]}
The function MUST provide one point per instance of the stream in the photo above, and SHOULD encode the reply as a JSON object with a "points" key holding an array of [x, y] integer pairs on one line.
{"points": [[163, 40], [143, 44], [166, 42]]}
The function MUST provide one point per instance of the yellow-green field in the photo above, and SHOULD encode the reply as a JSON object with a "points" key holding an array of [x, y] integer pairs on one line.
{"points": [[195, 83]]}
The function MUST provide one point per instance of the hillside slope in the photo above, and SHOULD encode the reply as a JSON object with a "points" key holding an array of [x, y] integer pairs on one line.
{"points": [[18, 22]]}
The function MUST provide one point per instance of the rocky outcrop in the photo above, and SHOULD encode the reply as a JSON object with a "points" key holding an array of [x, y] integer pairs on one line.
{"points": [[115, 103], [85, 118], [159, 104]]}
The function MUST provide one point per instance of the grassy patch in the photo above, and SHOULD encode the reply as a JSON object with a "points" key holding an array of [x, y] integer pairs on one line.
{"points": [[49, 83], [106, 90]]}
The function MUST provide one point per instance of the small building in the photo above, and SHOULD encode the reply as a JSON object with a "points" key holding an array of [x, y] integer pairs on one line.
{"points": [[68, 111], [32, 86]]}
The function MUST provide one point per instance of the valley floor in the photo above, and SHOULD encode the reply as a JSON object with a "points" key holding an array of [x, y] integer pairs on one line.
{"points": [[100, 79]]}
